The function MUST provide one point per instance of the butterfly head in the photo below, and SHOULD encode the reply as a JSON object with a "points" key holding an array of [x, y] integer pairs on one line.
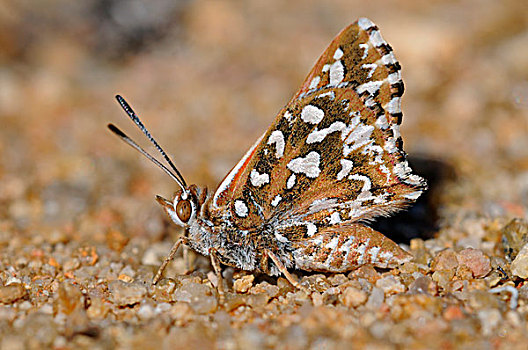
{"points": [[183, 209]]}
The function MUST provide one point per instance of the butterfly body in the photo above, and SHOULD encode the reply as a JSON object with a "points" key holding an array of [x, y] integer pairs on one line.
{"points": [[331, 161]]}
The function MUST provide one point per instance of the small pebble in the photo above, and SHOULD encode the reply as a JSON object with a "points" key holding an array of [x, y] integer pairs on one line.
{"points": [[258, 300], [12, 293], [319, 283], [243, 284], [69, 298], [375, 299], [514, 237], [199, 296], [338, 279], [233, 301], [98, 308], [264, 287], [443, 277], [445, 260], [353, 297], [390, 285], [519, 266], [71, 264], [422, 285], [478, 263], [317, 299], [123, 293], [163, 291]]}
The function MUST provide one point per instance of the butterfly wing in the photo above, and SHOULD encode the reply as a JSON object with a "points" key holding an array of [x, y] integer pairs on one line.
{"points": [[333, 156], [341, 248]]}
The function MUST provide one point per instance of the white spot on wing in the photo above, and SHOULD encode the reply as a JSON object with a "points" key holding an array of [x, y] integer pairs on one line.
{"points": [[311, 229], [359, 137], [308, 165], [338, 54], [277, 138], [257, 179], [393, 106], [346, 166], [346, 248], [291, 182], [367, 184], [335, 218], [361, 251], [365, 23], [386, 171], [315, 81], [317, 240], [374, 254], [371, 66], [390, 146], [389, 59], [241, 208], [288, 116], [372, 87], [332, 244], [337, 73], [395, 131], [394, 77], [382, 122], [369, 102], [386, 256], [330, 94], [319, 135], [276, 200], [365, 48], [376, 39], [312, 114], [412, 195]]}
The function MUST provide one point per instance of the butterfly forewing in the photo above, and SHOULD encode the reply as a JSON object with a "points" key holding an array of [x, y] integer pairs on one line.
{"points": [[335, 146], [332, 159]]}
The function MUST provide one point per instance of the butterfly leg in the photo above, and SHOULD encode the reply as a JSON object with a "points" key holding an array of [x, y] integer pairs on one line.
{"points": [[186, 258], [285, 272], [168, 259], [218, 270]]}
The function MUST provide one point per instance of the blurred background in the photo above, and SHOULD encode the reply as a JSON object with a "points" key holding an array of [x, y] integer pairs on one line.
{"points": [[208, 77]]}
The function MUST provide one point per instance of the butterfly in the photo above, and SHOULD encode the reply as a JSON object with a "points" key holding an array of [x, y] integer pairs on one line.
{"points": [[303, 194]]}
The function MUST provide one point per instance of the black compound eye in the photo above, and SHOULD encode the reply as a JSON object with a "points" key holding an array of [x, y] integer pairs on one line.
{"points": [[184, 210]]}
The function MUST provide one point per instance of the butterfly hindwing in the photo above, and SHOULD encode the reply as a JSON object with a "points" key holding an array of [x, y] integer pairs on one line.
{"points": [[341, 248]]}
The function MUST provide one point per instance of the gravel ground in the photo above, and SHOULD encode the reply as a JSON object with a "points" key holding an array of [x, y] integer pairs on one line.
{"points": [[80, 233]]}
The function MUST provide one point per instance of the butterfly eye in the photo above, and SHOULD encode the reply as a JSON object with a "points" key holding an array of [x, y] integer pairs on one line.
{"points": [[184, 210]]}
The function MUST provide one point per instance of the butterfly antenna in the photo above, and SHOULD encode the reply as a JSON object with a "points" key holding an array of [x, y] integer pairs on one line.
{"points": [[134, 145], [126, 107]]}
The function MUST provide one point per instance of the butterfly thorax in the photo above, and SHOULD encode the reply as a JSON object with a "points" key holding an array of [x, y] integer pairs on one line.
{"points": [[211, 230], [240, 247]]}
